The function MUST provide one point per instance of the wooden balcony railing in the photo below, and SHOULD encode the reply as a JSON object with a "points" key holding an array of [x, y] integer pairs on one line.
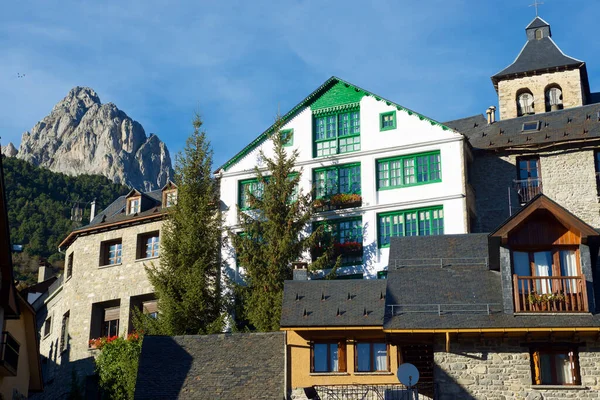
{"points": [[527, 189], [550, 294]]}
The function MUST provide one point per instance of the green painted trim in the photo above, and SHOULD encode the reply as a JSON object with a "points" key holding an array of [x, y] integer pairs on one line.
{"points": [[290, 139], [401, 212], [341, 109], [337, 137], [385, 114], [401, 159], [308, 101], [337, 169], [240, 192]]}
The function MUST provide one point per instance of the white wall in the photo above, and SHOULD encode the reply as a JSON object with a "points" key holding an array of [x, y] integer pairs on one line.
{"points": [[412, 135]]}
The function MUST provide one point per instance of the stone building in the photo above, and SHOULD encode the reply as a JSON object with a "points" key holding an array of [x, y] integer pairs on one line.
{"points": [[477, 319], [103, 281], [378, 169], [546, 141]]}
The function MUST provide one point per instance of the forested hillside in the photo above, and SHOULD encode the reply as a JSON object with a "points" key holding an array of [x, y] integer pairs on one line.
{"points": [[39, 210]]}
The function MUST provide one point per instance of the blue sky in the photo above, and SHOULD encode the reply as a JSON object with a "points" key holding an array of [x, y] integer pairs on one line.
{"points": [[238, 61]]}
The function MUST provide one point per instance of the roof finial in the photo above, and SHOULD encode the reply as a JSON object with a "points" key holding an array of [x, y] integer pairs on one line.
{"points": [[536, 4]]}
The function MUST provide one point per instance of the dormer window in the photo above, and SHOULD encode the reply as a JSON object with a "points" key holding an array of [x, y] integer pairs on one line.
{"points": [[133, 205], [170, 198]]}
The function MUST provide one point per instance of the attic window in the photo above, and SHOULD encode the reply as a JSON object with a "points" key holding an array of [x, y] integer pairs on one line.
{"points": [[170, 198], [133, 205], [539, 34], [531, 126]]}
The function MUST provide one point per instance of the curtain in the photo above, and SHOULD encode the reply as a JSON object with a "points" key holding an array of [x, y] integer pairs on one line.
{"points": [[543, 267], [333, 356], [563, 369], [380, 351], [568, 267]]}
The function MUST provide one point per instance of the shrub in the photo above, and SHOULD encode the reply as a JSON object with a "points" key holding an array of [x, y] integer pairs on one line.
{"points": [[117, 365]]}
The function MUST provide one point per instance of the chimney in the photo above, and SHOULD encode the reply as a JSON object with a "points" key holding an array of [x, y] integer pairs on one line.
{"points": [[489, 115], [300, 271], [44, 271], [493, 110], [93, 210]]}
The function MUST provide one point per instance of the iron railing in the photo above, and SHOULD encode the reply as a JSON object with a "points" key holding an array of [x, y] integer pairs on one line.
{"points": [[550, 294], [422, 391], [439, 262], [444, 309], [9, 354], [527, 189]]}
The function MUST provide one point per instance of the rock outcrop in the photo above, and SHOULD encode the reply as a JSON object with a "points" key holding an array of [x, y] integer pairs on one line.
{"points": [[9, 150], [83, 136]]}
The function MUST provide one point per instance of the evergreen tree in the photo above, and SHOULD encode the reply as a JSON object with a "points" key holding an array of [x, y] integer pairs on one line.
{"points": [[274, 234], [187, 281]]}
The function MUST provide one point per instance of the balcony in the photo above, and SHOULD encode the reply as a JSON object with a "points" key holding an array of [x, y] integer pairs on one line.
{"points": [[9, 355], [527, 189], [338, 202], [351, 252], [553, 294]]}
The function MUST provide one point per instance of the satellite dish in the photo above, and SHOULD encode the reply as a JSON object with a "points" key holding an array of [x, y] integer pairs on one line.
{"points": [[408, 374]]}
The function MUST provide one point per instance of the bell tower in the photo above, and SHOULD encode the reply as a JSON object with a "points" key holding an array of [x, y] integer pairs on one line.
{"points": [[542, 78]]}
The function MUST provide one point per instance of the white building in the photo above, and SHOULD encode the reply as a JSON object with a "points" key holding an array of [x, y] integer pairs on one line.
{"points": [[406, 172]]}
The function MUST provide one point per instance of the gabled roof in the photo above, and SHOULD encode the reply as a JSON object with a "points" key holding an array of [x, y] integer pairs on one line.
{"points": [[169, 185], [537, 23], [542, 202], [310, 99]]}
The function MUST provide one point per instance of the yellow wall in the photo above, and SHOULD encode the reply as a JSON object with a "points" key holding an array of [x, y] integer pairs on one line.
{"points": [[16, 327], [299, 359]]}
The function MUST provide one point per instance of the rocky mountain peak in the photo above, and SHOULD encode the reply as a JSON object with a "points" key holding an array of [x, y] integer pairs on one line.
{"points": [[83, 136], [9, 150]]}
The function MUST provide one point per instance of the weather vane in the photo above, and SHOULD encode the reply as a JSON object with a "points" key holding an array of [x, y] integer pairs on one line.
{"points": [[536, 4]]}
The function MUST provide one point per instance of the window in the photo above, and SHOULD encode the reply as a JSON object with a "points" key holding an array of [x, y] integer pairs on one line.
{"points": [[387, 121], [170, 198], [555, 366], [337, 179], [414, 169], [252, 186], [346, 236], [69, 270], [371, 357], [597, 166], [539, 34], [47, 326], [133, 205], [555, 262], [287, 137], [111, 252], [110, 325], [150, 308], [525, 105], [64, 332], [148, 245], [529, 182], [328, 357], [531, 126], [419, 222], [554, 98], [336, 133]]}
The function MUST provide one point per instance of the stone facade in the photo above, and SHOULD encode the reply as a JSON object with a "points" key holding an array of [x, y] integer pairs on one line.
{"points": [[568, 177], [496, 368], [90, 283], [569, 81]]}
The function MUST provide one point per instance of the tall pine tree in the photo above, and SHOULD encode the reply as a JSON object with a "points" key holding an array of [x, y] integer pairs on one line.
{"points": [[274, 234], [187, 280]]}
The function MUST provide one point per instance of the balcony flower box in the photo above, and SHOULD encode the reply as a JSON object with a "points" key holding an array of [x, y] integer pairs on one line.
{"points": [[98, 343], [337, 202]]}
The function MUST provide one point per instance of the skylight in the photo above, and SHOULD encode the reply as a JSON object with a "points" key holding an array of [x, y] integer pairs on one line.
{"points": [[531, 126]]}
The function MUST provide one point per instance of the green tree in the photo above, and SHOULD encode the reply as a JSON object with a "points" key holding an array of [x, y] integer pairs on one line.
{"points": [[274, 233], [187, 280], [117, 366]]}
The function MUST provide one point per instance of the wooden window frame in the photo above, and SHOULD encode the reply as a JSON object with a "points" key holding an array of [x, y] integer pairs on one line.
{"points": [[555, 252], [337, 138], [69, 266], [381, 121], [142, 245], [64, 332], [342, 356], [402, 174], [403, 213], [130, 203], [371, 355], [105, 258], [571, 350], [166, 196]]}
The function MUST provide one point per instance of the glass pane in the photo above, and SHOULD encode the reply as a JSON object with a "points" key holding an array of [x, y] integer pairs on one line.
{"points": [[320, 354], [546, 368], [409, 171], [333, 355], [564, 373], [383, 174], [380, 350], [363, 354]]}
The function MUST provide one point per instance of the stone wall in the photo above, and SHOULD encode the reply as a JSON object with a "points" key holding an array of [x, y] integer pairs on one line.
{"points": [[568, 177], [90, 283], [569, 82], [496, 368]]}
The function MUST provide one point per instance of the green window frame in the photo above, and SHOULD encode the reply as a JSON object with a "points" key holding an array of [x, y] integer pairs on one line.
{"points": [[337, 179], [344, 231], [416, 222], [287, 136], [336, 132], [248, 186], [387, 121], [409, 170]]}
